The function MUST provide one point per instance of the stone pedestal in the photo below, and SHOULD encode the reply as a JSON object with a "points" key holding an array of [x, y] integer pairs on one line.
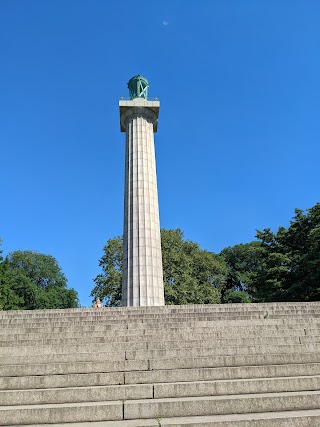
{"points": [[142, 259]]}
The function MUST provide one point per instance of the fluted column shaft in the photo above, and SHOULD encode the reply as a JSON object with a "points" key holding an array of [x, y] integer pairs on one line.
{"points": [[142, 258]]}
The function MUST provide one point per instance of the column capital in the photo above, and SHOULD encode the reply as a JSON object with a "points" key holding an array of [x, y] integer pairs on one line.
{"points": [[139, 108]]}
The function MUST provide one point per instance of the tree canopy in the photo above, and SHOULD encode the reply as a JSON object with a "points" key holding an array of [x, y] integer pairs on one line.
{"points": [[243, 263], [30, 280], [108, 283], [291, 260], [280, 266], [191, 274], [277, 266]]}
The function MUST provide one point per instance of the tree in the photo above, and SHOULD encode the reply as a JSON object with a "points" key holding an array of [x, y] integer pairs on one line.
{"points": [[243, 261], [191, 275], [9, 300], [281, 266], [42, 270], [291, 260], [108, 283], [30, 280]]}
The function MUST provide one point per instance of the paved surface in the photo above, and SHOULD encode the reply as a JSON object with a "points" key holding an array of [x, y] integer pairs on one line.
{"points": [[254, 365]]}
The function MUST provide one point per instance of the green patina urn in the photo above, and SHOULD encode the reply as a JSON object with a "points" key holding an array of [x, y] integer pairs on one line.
{"points": [[138, 87]]}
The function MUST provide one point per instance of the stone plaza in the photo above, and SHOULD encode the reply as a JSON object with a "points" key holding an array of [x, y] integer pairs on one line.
{"points": [[231, 365]]}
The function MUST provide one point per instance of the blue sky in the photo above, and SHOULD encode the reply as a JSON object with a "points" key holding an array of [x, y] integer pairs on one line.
{"points": [[238, 139]]}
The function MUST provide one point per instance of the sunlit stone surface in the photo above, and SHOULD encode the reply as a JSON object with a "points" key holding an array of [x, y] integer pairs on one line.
{"points": [[142, 260]]}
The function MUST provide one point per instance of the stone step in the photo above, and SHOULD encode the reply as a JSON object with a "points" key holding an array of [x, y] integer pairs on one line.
{"points": [[177, 318], [221, 405], [176, 323], [140, 351], [286, 369], [68, 348], [186, 361], [105, 314], [175, 350], [73, 368], [220, 351], [222, 373], [214, 330], [34, 359], [215, 314], [61, 413], [163, 340], [110, 327], [306, 418], [208, 342], [159, 408], [236, 386], [156, 364], [60, 381], [101, 330], [163, 309], [256, 336], [159, 391], [76, 394], [61, 354]]}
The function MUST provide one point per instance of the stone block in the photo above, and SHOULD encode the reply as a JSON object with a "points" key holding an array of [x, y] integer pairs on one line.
{"points": [[61, 381], [76, 394], [221, 373], [236, 386], [219, 351], [61, 413], [221, 405]]}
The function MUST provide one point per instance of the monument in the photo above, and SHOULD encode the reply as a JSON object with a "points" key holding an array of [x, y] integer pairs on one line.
{"points": [[142, 283]]}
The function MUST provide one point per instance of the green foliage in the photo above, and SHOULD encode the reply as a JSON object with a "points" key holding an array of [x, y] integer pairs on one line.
{"points": [[291, 260], [281, 266], [9, 300], [42, 270], [29, 280], [191, 275], [108, 283], [1, 258], [243, 261], [233, 296]]}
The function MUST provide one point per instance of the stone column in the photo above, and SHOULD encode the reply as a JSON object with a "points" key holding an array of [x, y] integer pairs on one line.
{"points": [[142, 259]]}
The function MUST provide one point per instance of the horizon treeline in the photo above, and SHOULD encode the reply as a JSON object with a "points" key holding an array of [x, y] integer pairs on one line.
{"points": [[276, 266]]}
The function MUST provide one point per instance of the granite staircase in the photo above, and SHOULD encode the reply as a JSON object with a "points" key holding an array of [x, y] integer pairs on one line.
{"points": [[251, 365]]}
